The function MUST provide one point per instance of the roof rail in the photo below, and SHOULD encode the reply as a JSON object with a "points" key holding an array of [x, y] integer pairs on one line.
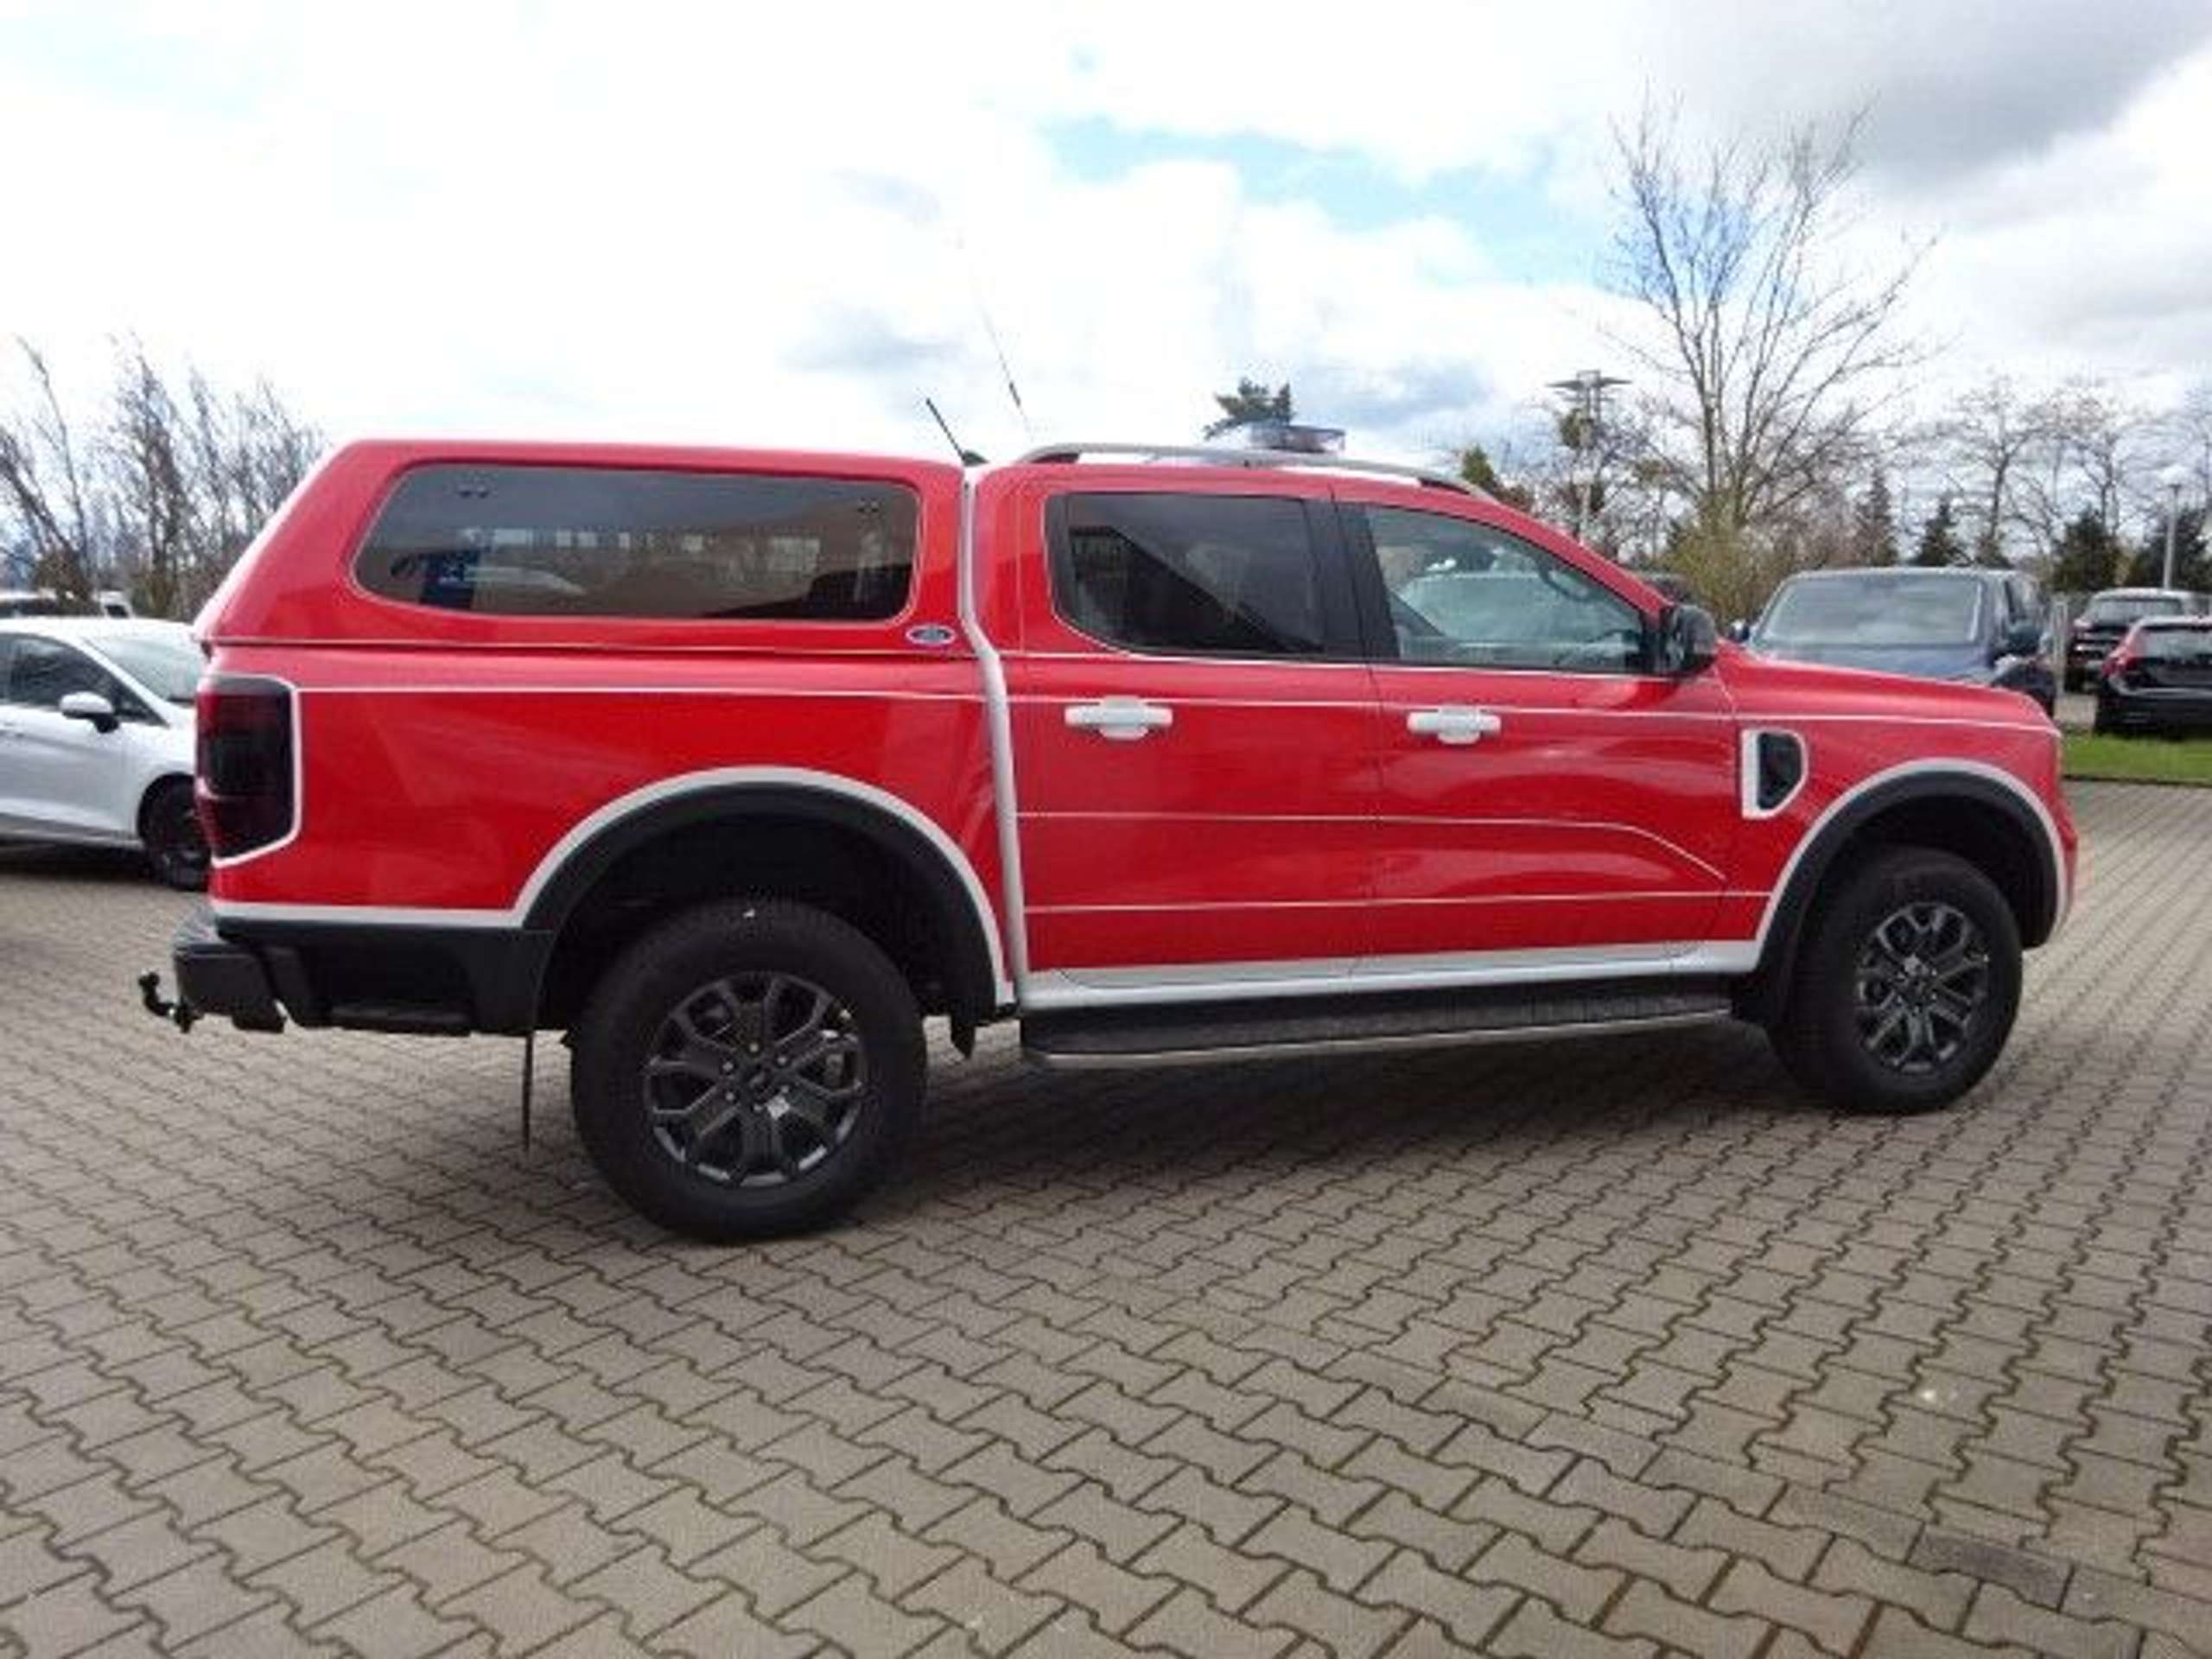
{"points": [[1220, 456]]}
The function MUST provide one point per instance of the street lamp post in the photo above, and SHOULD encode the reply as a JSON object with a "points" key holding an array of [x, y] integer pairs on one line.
{"points": [[2173, 477], [1586, 389]]}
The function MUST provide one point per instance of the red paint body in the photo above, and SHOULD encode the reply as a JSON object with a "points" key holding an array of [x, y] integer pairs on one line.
{"points": [[1288, 815]]}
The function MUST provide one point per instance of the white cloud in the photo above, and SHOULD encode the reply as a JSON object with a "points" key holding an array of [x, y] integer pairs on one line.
{"points": [[755, 225]]}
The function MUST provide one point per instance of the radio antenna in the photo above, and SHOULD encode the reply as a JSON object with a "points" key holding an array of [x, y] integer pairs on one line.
{"points": [[968, 457], [991, 333]]}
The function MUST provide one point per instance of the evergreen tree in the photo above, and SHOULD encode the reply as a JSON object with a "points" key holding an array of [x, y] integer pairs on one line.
{"points": [[1476, 466], [1253, 400], [2086, 557], [1939, 538], [2192, 569], [1874, 524]]}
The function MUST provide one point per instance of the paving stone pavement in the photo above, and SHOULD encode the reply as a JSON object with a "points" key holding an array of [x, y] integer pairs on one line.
{"points": [[1614, 1348]]}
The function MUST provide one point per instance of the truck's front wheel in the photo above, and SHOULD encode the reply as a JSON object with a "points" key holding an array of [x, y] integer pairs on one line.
{"points": [[749, 1069], [1907, 985]]}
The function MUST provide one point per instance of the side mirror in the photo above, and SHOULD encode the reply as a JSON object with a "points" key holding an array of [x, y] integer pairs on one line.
{"points": [[1740, 630], [1687, 639], [2024, 639], [90, 706]]}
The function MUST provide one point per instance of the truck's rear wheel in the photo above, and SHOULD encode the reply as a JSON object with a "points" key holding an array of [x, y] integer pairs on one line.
{"points": [[749, 1069], [1907, 988]]}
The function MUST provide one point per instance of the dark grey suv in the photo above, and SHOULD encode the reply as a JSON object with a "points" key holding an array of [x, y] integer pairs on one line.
{"points": [[1984, 627]]}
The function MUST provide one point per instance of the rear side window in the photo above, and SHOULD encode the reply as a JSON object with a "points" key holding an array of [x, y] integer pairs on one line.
{"points": [[1202, 575], [628, 542]]}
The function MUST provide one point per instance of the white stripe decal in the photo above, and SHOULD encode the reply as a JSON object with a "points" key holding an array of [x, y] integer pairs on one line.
{"points": [[1000, 721], [1416, 819], [1177, 907], [623, 806], [784, 692], [1919, 768]]}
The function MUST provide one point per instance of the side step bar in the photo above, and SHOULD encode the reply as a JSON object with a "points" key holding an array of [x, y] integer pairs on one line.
{"points": [[1260, 1029]]}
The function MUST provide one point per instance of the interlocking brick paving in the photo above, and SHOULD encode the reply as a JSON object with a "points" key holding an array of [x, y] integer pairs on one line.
{"points": [[1615, 1347]]}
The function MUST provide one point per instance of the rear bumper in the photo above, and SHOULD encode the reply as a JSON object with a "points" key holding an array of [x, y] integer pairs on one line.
{"points": [[371, 977], [215, 975]]}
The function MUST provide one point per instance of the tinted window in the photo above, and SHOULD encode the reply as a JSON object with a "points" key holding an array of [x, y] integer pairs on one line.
{"points": [[2180, 644], [562, 540], [1464, 593], [1230, 574], [41, 672]]}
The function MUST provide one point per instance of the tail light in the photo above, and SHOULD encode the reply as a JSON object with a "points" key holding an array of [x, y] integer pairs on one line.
{"points": [[2124, 657], [245, 794]]}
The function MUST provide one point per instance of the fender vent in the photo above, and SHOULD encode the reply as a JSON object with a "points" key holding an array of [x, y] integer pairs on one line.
{"points": [[1781, 768]]}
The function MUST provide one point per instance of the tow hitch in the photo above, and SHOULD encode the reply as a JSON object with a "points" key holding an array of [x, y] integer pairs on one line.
{"points": [[181, 1014]]}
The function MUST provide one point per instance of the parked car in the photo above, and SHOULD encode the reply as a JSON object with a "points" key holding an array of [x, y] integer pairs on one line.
{"points": [[1976, 627], [2110, 615], [735, 765], [22, 601], [2160, 680], [96, 738]]}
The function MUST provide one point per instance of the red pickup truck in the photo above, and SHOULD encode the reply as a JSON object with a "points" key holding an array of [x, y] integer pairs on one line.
{"points": [[734, 766]]}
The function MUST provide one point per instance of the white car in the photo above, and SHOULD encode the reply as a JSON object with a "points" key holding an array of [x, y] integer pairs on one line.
{"points": [[96, 737]]}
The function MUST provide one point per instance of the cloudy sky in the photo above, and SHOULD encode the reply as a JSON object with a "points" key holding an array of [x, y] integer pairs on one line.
{"points": [[743, 222]]}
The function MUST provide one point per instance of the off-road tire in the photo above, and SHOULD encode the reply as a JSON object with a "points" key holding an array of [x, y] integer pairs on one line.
{"points": [[1822, 1032], [744, 942]]}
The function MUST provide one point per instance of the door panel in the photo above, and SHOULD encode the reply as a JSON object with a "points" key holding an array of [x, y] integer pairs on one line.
{"points": [[1601, 812], [1241, 832], [1543, 793], [57, 774], [1208, 805]]}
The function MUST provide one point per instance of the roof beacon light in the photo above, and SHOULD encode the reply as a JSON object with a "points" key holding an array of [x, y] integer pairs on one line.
{"points": [[1287, 437]]}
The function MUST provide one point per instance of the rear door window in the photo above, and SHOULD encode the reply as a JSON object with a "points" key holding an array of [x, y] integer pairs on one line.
{"points": [[41, 672], [1200, 574], [634, 541]]}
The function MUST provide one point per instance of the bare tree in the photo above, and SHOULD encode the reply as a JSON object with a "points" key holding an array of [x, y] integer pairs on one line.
{"points": [[1993, 441], [1596, 478], [2102, 441], [160, 494], [1774, 349], [43, 485], [247, 452], [154, 499]]}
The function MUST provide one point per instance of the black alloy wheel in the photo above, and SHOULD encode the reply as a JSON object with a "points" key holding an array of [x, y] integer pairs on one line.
{"points": [[748, 1069], [1907, 984]]}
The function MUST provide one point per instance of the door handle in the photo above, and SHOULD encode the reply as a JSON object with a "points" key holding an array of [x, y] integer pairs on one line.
{"points": [[1124, 720], [1455, 726]]}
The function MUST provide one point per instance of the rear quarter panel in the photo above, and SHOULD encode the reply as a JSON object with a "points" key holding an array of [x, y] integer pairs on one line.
{"points": [[444, 755]]}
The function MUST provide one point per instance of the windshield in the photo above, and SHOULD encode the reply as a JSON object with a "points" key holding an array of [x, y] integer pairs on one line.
{"points": [[2132, 607], [167, 666], [1899, 608]]}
